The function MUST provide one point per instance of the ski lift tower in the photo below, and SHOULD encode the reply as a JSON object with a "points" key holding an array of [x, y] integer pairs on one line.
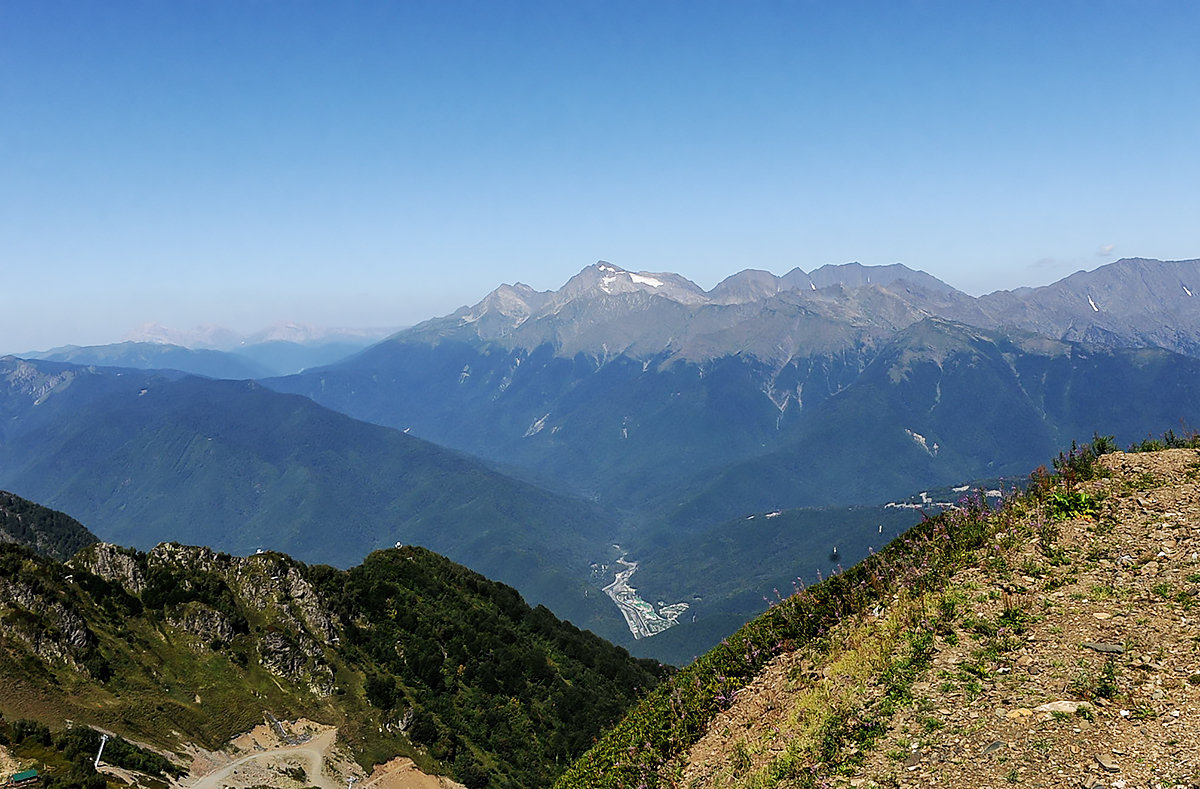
{"points": [[103, 739]]}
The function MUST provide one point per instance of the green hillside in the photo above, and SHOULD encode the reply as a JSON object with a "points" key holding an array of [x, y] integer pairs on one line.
{"points": [[407, 653], [49, 532]]}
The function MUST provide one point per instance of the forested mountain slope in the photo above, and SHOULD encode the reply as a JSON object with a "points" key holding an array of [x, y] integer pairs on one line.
{"points": [[407, 653], [144, 457]]}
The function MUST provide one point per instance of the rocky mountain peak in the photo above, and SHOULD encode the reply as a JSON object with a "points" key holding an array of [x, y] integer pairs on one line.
{"points": [[32, 381], [747, 286], [856, 275], [605, 279]]}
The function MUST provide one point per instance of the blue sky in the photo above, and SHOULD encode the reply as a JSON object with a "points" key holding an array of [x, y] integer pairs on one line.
{"points": [[378, 163]]}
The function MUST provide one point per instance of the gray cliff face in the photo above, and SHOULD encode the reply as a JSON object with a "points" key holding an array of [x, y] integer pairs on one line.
{"points": [[205, 623], [48, 627], [112, 563], [300, 625]]}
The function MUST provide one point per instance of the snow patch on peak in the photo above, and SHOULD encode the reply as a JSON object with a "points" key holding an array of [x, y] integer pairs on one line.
{"points": [[643, 280]]}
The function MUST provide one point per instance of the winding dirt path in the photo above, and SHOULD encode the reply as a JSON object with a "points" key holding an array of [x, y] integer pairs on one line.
{"points": [[311, 755]]}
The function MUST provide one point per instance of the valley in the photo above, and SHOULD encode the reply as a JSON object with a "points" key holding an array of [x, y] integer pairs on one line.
{"points": [[641, 616]]}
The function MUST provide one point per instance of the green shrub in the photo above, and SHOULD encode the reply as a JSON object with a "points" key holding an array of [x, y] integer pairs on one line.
{"points": [[1065, 505]]}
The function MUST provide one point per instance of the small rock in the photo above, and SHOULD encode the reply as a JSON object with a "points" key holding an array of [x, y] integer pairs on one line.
{"points": [[1115, 649], [1070, 707], [1107, 762]]}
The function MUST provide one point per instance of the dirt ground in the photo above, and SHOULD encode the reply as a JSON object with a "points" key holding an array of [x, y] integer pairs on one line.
{"points": [[8, 765], [1101, 687], [261, 757]]}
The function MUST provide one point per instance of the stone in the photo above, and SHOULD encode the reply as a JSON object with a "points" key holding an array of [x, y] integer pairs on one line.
{"points": [[1107, 762], [1098, 646], [1070, 707]]}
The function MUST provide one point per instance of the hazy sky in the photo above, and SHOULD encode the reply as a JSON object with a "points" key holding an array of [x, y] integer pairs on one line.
{"points": [[377, 163]]}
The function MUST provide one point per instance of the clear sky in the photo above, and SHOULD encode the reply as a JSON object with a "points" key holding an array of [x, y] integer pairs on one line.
{"points": [[377, 163]]}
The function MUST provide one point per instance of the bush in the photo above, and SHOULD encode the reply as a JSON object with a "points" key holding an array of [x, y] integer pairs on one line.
{"points": [[1065, 505], [1169, 440], [1079, 463]]}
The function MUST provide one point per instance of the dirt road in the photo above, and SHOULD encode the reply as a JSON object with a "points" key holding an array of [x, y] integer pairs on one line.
{"points": [[260, 768]]}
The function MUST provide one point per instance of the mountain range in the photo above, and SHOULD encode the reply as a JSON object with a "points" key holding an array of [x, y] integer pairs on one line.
{"points": [[651, 395], [543, 438]]}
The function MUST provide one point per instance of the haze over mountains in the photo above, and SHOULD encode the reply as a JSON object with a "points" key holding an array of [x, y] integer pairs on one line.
{"points": [[218, 352], [643, 415]]}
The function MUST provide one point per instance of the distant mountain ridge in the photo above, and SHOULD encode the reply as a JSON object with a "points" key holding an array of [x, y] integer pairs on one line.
{"points": [[218, 352], [146, 457], [604, 309], [631, 386], [159, 356], [685, 412], [225, 339]]}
